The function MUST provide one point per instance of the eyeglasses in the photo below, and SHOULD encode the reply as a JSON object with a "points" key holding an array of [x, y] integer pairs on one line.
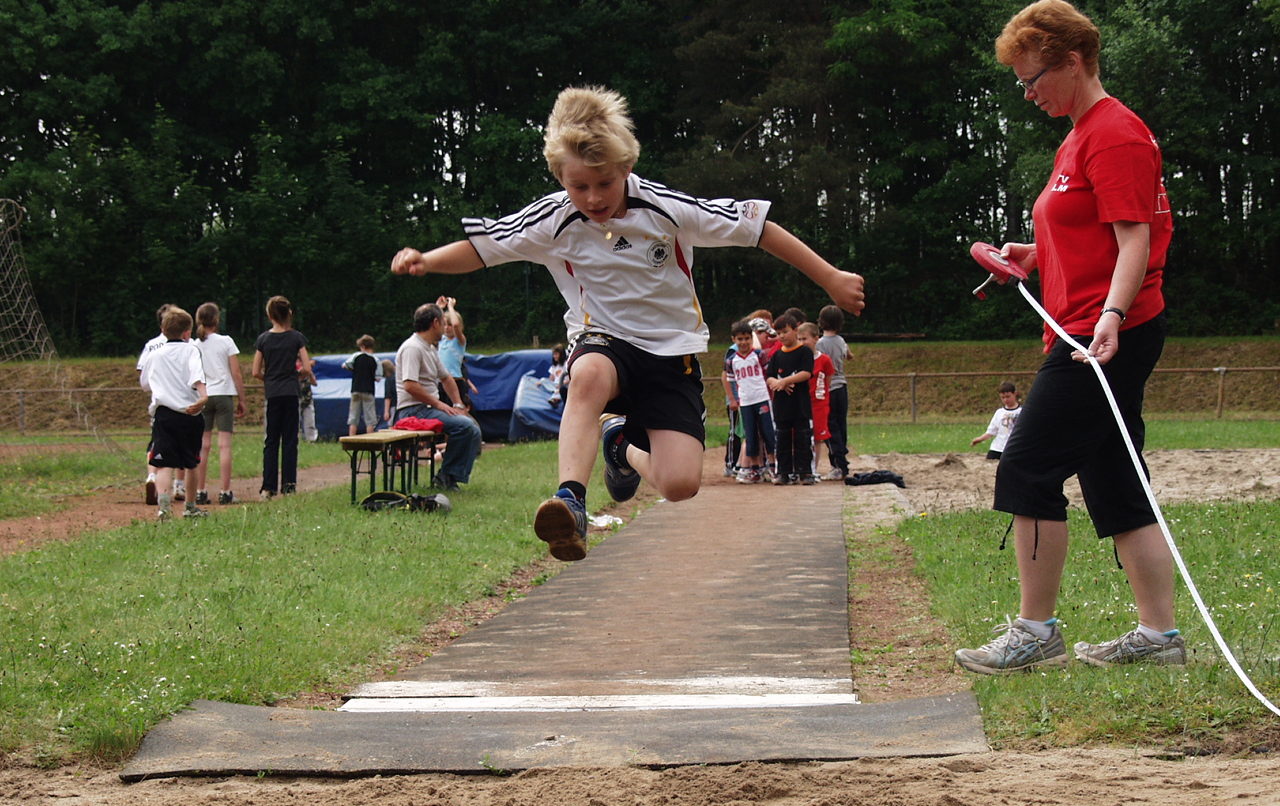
{"points": [[1029, 84]]}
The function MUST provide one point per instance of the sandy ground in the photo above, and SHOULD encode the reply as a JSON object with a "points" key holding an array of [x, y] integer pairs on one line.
{"points": [[1098, 777]]}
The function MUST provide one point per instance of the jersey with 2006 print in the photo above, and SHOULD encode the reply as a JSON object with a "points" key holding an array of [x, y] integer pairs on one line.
{"points": [[631, 278]]}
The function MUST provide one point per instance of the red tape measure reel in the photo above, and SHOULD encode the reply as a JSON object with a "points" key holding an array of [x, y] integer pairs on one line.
{"points": [[1001, 268]]}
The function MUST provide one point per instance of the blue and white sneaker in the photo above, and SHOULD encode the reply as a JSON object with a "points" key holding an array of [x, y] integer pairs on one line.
{"points": [[561, 522], [1016, 649], [621, 482]]}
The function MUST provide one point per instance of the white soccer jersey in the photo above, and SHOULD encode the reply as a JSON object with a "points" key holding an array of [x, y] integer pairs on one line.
{"points": [[748, 374], [637, 283]]}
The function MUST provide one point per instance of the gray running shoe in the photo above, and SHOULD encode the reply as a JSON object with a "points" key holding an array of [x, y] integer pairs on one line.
{"points": [[561, 522], [835, 474], [1133, 647], [194, 512], [621, 482], [1016, 649]]}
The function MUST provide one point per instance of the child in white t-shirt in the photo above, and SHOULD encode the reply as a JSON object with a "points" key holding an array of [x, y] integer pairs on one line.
{"points": [[174, 375], [225, 385], [1002, 422], [751, 401]]}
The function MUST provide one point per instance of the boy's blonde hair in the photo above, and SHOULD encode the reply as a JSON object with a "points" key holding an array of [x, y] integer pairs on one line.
{"points": [[175, 323], [809, 329], [592, 124]]}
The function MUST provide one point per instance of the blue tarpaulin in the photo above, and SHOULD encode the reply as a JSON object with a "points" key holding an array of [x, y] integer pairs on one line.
{"points": [[499, 381]]}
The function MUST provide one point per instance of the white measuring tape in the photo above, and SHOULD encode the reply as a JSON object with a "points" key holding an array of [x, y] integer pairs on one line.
{"points": [[1151, 498]]}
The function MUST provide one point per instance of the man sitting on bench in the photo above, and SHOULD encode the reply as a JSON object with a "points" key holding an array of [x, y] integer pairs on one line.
{"points": [[420, 375]]}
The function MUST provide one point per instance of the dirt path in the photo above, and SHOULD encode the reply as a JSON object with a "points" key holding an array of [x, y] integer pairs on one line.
{"points": [[120, 506], [1100, 777]]}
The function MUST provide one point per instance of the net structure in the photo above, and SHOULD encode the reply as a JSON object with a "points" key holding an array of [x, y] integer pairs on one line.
{"points": [[35, 392]]}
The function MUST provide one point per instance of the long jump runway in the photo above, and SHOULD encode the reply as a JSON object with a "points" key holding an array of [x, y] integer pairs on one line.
{"points": [[709, 631]]}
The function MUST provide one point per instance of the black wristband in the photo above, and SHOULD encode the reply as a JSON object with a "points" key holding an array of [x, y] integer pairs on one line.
{"points": [[1116, 311]]}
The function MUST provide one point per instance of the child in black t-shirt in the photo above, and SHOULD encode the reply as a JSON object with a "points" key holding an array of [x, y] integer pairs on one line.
{"points": [[276, 359], [788, 379]]}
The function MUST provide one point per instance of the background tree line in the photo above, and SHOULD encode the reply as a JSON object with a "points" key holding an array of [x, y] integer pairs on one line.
{"points": [[176, 150]]}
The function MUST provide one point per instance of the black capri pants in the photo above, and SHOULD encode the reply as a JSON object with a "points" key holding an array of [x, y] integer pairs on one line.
{"points": [[1066, 428]]}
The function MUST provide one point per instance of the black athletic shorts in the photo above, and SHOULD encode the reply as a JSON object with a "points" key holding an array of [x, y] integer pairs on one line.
{"points": [[1066, 428], [657, 391], [175, 439]]}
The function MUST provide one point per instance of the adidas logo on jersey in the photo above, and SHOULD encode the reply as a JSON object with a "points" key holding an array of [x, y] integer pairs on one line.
{"points": [[622, 243]]}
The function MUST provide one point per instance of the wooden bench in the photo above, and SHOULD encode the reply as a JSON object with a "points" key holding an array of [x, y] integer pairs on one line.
{"points": [[398, 451]]}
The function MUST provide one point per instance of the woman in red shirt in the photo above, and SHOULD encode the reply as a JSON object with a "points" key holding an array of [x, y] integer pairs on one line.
{"points": [[1102, 226]]}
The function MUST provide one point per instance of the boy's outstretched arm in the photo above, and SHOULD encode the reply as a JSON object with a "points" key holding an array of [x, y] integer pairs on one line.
{"points": [[844, 287], [458, 257]]}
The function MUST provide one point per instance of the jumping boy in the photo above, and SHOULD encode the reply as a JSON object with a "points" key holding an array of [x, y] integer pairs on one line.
{"points": [[620, 249], [174, 374]]}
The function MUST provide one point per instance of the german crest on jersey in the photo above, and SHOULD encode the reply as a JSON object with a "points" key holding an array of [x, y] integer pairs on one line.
{"points": [[659, 252]]}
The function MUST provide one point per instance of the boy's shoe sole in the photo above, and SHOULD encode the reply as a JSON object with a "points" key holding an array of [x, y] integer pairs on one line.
{"points": [[561, 529], [621, 484], [149, 494]]}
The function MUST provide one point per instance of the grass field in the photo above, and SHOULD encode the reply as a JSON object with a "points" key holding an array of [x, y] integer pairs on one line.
{"points": [[102, 637], [42, 475], [1226, 547]]}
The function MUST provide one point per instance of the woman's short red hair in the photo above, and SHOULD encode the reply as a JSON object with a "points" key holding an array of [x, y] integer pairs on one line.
{"points": [[1050, 29]]}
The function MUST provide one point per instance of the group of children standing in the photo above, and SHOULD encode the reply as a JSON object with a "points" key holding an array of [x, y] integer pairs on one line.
{"points": [[197, 387], [785, 389]]}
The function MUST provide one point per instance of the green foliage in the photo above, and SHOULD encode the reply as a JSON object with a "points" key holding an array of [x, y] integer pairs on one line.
{"points": [[1225, 545], [179, 151]]}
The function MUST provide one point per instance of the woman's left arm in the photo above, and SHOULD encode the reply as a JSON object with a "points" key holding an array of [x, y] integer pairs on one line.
{"points": [[1134, 241]]}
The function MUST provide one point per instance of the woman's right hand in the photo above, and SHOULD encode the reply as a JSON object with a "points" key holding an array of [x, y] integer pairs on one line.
{"points": [[1022, 254]]}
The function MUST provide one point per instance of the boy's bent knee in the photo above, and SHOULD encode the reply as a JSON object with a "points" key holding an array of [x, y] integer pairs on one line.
{"points": [[676, 488], [683, 493]]}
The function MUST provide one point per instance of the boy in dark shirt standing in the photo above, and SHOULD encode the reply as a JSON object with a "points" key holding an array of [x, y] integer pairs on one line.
{"points": [[365, 371], [788, 379]]}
